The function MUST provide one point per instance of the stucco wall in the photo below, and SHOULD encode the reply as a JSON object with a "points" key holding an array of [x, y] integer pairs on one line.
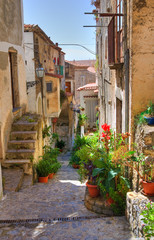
{"points": [[11, 21], [53, 98], [13, 42], [30, 69], [142, 87]]}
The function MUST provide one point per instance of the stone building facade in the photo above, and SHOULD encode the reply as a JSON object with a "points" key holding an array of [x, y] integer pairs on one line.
{"points": [[12, 69], [13, 98], [44, 96], [79, 73], [124, 52]]}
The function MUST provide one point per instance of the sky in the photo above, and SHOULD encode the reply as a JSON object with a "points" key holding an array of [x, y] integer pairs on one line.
{"points": [[63, 21]]}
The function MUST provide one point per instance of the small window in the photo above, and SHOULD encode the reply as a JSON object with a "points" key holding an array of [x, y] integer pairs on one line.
{"points": [[49, 86]]}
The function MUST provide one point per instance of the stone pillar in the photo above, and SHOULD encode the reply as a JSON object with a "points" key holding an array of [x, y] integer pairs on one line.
{"points": [[135, 205], [1, 188]]}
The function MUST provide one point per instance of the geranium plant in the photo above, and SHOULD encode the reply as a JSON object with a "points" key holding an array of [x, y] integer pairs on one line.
{"points": [[110, 170]]}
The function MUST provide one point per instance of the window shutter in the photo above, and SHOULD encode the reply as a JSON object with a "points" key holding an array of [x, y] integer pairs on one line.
{"points": [[111, 42], [49, 86]]}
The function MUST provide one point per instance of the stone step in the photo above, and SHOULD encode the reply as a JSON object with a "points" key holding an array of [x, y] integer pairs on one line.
{"points": [[23, 135], [16, 161], [19, 126], [12, 179], [27, 181], [21, 144], [19, 153]]}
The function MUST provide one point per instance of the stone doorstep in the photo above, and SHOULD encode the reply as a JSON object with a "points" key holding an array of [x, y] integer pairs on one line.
{"points": [[12, 179]]}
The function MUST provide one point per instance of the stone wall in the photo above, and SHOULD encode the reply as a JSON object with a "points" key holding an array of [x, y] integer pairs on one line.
{"points": [[135, 205], [144, 140]]}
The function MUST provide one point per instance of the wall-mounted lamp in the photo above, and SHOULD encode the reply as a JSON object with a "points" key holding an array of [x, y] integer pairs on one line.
{"points": [[40, 71]]}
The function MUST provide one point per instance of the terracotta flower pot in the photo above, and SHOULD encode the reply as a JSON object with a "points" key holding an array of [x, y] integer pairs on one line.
{"points": [[93, 191], [109, 200], [148, 188], [76, 166], [50, 175], [43, 179]]}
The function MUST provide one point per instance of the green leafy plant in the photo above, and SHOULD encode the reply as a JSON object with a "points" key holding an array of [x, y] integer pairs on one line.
{"points": [[46, 132], [88, 155], [78, 143], [148, 214], [149, 112], [60, 144], [43, 168], [150, 109], [82, 119]]}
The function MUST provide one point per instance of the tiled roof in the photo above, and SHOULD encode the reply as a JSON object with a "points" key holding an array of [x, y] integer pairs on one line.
{"points": [[89, 86], [37, 29], [82, 63]]}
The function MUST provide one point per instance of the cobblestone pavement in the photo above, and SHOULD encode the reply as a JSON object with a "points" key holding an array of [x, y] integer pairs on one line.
{"points": [[62, 197]]}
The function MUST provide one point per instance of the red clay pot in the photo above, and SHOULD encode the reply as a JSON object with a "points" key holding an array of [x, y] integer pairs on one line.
{"points": [[109, 200], [43, 179], [76, 166], [148, 188], [50, 175], [93, 191]]}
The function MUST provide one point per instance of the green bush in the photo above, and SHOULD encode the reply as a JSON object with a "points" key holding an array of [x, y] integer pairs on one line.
{"points": [[43, 168]]}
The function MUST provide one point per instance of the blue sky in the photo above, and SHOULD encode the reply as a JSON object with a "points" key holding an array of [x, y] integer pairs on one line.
{"points": [[63, 21]]}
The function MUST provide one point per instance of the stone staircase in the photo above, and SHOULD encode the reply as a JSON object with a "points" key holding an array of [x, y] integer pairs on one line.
{"points": [[22, 146]]}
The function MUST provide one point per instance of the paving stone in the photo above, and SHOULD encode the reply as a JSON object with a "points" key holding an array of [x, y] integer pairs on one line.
{"points": [[62, 197]]}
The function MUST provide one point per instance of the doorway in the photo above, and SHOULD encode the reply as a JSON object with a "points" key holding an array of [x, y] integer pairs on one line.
{"points": [[118, 116], [14, 79]]}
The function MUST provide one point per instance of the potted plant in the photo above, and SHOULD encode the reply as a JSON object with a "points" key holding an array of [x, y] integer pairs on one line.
{"points": [[149, 114], [88, 154], [43, 170], [60, 144], [147, 178], [110, 170]]}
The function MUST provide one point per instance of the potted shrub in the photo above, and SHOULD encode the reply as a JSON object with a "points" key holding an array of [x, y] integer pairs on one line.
{"points": [[88, 154], [147, 177], [43, 170], [149, 114]]}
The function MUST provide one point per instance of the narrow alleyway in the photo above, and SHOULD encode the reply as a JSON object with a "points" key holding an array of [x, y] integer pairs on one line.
{"points": [[63, 198]]}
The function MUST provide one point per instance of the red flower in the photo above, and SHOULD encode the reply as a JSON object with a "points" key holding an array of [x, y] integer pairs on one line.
{"points": [[103, 134], [106, 127]]}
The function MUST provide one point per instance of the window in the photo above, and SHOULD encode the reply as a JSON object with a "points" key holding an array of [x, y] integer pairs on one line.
{"points": [[49, 86], [115, 35]]}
